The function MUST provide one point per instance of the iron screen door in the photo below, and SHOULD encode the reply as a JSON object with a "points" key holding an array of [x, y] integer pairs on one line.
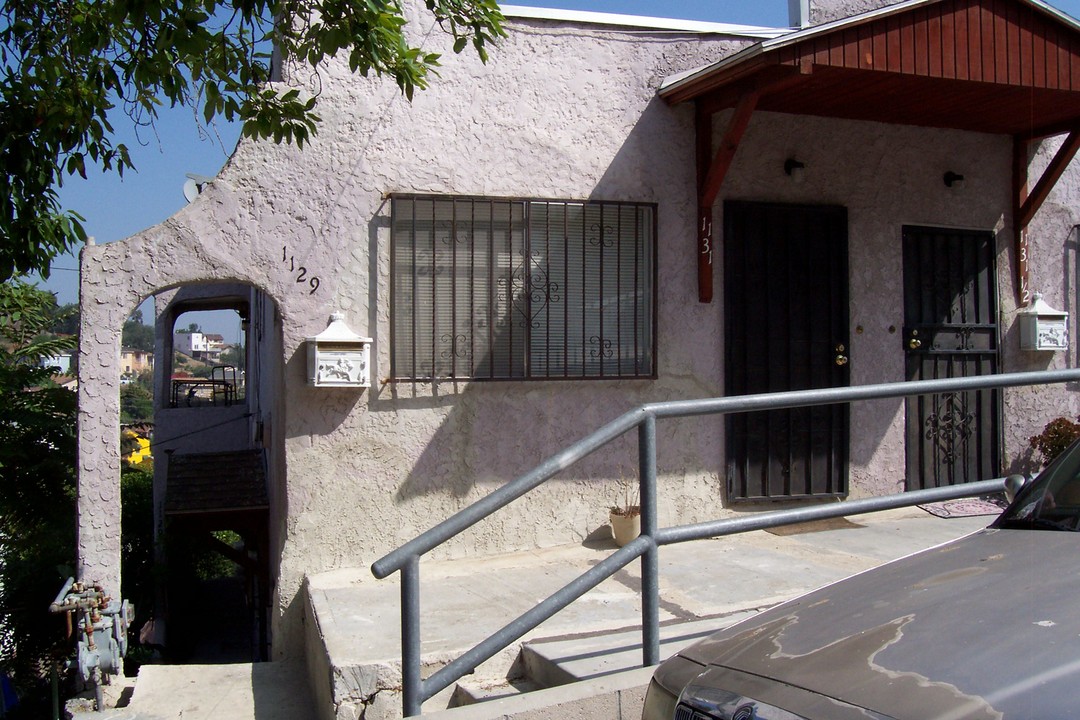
{"points": [[786, 310], [950, 330]]}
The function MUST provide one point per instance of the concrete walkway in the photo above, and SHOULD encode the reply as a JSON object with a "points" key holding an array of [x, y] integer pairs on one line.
{"points": [[354, 660], [353, 663]]}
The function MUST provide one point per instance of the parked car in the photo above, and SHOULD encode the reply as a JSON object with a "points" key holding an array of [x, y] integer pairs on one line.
{"points": [[984, 627]]}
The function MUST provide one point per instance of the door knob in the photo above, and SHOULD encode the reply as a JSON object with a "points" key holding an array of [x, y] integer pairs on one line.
{"points": [[841, 359], [914, 343]]}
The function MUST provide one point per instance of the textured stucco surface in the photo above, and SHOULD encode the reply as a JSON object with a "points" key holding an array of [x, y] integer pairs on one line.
{"points": [[560, 112], [824, 12]]}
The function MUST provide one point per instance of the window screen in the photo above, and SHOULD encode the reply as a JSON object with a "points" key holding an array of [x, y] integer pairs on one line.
{"points": [[521, 289]]}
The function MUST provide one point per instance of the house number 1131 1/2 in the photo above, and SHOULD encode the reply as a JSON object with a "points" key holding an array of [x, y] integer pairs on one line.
{"points": [[301, 271]]}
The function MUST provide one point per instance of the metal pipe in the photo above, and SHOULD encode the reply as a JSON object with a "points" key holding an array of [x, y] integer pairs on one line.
{"points": [[544, 610], [650, 560], [412, 686], [58, 603], [503, 496], [462, 520], [829, 396], [99, 691], [764, 521], [406, 558]]}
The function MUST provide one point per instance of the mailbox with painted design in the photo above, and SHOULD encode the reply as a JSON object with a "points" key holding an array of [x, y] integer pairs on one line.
{"points": [[1042, 327], [338, 357]]}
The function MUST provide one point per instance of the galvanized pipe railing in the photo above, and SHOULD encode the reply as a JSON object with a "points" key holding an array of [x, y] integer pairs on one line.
{"points": [[406, 558]]}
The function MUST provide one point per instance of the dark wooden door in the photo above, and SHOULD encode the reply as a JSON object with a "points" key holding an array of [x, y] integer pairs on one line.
{"points": [[950, 330], [786, 309]]}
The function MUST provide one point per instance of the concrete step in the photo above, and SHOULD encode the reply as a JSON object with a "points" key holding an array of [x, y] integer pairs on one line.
{"points": [[241, 691], [613, 696], [560, 661], [471, 691], [352, 620]]}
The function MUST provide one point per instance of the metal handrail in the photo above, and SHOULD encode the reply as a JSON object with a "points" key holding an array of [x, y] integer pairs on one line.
{"points": [[406, 559]]}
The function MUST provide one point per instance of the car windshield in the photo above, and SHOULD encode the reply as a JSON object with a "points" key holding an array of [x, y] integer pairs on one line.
{"points": [[1052, 500]]}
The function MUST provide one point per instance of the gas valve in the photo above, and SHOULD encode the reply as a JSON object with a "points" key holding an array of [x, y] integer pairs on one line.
{"points": [[102, 626]]}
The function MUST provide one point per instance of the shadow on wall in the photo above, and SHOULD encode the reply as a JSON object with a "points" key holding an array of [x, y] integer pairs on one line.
{"points": [[491, 432], [1027, 461]]}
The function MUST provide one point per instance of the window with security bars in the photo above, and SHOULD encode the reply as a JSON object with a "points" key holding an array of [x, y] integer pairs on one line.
{"points": [[495, 289]]}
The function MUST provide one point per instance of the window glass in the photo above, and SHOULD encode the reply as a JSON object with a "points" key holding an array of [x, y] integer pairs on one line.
{"points": [[529, 289]]}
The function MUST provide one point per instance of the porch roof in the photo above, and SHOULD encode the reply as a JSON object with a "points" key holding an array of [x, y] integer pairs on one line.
{"points": [[995, 66]]}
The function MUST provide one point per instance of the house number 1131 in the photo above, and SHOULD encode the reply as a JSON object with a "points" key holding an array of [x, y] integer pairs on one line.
{"points": [[301, 271]]}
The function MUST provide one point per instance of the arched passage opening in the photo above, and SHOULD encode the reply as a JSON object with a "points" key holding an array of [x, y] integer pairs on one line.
{"points": [[217, 472]]}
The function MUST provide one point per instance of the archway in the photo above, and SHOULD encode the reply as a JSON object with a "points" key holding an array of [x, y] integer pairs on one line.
{"points": [[215, 471]]}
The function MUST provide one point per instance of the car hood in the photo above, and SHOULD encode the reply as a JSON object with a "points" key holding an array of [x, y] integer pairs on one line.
{"points": [[984, 627]]}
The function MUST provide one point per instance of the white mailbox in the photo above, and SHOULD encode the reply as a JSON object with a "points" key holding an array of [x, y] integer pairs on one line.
{"points": [[338, 357], [1042, 327]]}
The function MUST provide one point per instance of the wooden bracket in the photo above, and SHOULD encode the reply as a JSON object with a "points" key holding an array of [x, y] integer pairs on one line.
{"points": [[712, 168], [711, 171], [1028, 204]]}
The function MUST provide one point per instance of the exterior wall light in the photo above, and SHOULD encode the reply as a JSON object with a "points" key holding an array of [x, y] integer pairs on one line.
{"points": [[953, 180], [794, 169]]}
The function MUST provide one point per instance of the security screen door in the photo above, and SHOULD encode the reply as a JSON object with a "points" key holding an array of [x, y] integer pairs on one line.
{"points": [[786, 309], [950, 330]]}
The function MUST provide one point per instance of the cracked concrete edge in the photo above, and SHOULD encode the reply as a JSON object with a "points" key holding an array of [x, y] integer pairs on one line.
{"points": [[618, 696], [373, 690]]}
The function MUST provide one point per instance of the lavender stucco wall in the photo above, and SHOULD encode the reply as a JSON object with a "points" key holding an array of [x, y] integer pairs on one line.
{"points": [[560, 112]]}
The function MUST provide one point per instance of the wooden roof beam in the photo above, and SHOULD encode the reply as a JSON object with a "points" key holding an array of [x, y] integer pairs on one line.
{"points": [[713, 168], [1027, 204], [717, 168], [1031, 204], [711, 171]]}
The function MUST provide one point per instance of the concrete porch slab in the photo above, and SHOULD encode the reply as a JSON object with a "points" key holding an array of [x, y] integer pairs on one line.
{"points": [[353, 620]]}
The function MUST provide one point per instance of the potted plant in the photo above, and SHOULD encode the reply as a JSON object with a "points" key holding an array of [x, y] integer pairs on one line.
{"points": [[625, 519]]}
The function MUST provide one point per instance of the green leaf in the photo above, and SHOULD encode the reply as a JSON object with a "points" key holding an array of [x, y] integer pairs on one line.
{"points": [[57, 108]]}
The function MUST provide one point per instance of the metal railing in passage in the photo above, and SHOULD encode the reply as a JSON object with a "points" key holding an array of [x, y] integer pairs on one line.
{"points": [[406, 559]]}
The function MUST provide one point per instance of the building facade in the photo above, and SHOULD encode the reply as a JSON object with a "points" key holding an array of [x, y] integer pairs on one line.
{"points": [[608, 213], [135, 362]]}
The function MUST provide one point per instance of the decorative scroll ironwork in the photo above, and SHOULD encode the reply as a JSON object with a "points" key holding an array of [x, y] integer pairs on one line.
{"points": [[452, 232], [469, 272], [963, 338], [950, 426], [529, 290], [601, 235], [457, 345], [601, 348]]}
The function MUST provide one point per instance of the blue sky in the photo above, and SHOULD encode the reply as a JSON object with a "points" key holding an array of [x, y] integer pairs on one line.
{"points": [[114, 208]]}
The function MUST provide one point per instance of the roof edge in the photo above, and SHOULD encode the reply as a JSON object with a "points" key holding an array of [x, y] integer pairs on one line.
{"points": [[641, 21], [672, 83]]}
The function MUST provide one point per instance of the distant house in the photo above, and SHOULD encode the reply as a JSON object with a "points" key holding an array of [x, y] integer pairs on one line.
{"points": [[61, 361], [135, 362], [611, 212], [205, 347]]}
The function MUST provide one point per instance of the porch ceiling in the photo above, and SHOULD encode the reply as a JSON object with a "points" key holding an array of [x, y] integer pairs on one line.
{"points": [[994, 66]]}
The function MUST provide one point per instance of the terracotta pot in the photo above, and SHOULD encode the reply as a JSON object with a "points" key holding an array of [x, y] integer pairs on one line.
{"points": [[625, 528]]}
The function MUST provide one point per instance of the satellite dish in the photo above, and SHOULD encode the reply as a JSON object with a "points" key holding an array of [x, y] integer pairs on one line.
{"points": [[191, 190], [194, 185]]}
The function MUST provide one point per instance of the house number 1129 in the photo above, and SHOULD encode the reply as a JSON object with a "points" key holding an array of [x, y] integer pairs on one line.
{"points": [[301, 271]]}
